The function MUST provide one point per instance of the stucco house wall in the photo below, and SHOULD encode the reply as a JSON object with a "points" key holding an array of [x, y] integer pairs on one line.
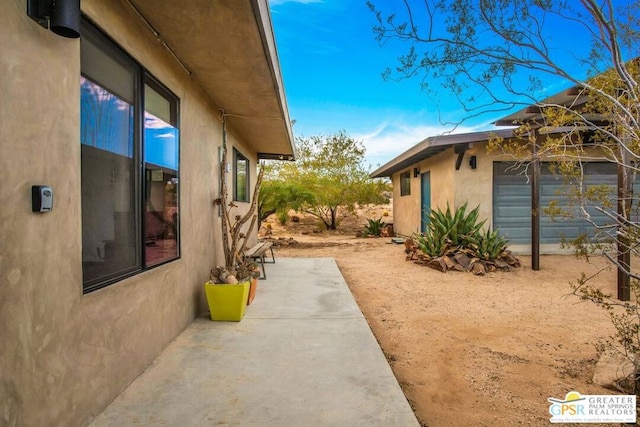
{"points": [[448, 186], [407, 209], [66, 355], [475, 186], [442, 174]]}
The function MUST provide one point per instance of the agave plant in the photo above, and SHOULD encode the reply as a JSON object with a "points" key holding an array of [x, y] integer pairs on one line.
{"points": [[432, 244], [489, 245], [374, 227], [459, 227]]}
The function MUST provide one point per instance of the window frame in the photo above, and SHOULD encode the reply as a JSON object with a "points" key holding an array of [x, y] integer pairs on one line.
{"points": [[149, 80], [141, 77], [238, 156], [405, 183]]}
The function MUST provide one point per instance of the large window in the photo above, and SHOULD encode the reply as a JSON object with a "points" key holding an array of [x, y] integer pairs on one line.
{"points": [[240, 177], [405, 183], [129, 172]]}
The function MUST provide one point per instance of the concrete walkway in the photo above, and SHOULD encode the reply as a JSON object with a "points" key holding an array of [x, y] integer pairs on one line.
{"points": [[302, 356]]}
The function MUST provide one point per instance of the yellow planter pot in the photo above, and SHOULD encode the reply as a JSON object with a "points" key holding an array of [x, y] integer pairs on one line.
{"points": [[227, 302]]}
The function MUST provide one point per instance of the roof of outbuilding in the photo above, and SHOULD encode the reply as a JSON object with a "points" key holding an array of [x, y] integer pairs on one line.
{"points": [[434, 145], [572, 98]]}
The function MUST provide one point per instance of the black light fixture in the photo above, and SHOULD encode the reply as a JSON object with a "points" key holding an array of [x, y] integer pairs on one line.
{"points": [[60, 16], [473, 162], [416, 172]]}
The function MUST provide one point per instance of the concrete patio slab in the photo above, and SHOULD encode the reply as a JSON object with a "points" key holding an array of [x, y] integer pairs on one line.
{"points": [[302, 356]]}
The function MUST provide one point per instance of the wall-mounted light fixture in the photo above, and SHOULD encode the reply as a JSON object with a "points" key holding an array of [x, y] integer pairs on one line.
{"points": [[60, 16], [473, 162], [416, 172]]}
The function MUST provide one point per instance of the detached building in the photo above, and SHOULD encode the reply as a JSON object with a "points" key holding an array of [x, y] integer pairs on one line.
{"points": [[454, 169]]}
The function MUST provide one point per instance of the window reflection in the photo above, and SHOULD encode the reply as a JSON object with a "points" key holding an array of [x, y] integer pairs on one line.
{"points": [[161, 203], [241, 177], [109, 237]]}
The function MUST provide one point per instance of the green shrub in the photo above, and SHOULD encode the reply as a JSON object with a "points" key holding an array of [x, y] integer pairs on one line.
{"points": [[282, 216], [374, 227]]}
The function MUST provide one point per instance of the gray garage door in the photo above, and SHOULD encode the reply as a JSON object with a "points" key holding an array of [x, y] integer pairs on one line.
{"points": [[512, 202]]}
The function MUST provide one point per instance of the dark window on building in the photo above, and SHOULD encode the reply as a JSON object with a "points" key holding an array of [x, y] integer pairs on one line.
{"points": [[240, 177], [405, 183], [129, 207]]}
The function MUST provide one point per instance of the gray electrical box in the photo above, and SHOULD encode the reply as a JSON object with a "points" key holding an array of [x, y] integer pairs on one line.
{"points": [[41, 198]]}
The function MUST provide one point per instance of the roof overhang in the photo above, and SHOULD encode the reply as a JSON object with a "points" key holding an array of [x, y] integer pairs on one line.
{"points": [[228, 47], [573, 98], [435, 145]]}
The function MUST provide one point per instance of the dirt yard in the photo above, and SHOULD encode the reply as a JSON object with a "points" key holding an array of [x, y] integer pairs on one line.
{"points": [[467, 350]]}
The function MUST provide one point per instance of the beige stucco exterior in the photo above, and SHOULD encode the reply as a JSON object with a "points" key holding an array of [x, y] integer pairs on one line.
{"points": [[66, 355], [448, 186], [456, 187], [407, 209]]}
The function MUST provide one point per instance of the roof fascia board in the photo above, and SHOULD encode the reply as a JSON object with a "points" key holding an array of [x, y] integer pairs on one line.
{"points": [[425, 149], [263, 20]]}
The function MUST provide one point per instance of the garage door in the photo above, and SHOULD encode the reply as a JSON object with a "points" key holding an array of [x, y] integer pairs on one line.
{"points": [[512, 202]]}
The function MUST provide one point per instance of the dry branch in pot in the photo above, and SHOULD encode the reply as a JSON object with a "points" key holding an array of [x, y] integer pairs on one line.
{"points": [[234, 238]]}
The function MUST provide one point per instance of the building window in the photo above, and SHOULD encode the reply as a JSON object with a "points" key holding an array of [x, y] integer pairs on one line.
{"points": [[240, 177], [405, 183], [130, 169]]}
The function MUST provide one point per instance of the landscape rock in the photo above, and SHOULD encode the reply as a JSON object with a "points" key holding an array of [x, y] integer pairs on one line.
{"points": [[387, 231], [459, 267], [448, 262], [502, 264], [478, 269], [231, 279], [511, 260], [410, 245], [437, 264], [613, 370], [462, 259]]}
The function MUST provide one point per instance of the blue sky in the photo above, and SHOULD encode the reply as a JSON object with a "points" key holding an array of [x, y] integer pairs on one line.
{"points": [[332, 65]]}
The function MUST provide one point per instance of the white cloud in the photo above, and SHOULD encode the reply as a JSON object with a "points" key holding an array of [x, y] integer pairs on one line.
{"points": [[387, 141], [170, 135], [152, 122]]}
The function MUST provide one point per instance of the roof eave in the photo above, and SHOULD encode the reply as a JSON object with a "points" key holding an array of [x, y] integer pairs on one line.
{"points": [[229, 48], [432, 146]]}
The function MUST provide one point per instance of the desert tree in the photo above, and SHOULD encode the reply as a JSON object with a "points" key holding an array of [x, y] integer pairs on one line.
{"points": [[497, 56], [278, 195], [328, 174]]}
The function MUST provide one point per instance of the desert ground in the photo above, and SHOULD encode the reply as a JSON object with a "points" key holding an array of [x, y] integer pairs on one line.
{"points": [[467, 350]]}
